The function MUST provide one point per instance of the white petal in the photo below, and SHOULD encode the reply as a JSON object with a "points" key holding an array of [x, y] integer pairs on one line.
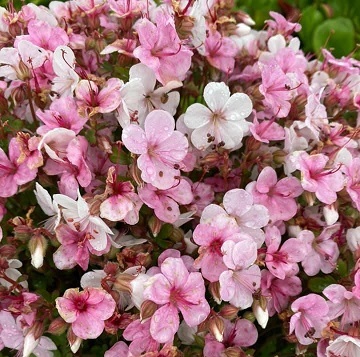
{"points": [[216, 95], [197, 115]]}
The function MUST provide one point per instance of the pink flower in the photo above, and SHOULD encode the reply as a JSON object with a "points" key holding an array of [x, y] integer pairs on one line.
{"points": [[13, 173], [275, 87], [315, 178], [161, 149], [310, 318], [242, 279], [242, 333], [161, 49], [86, 310], [342, 303], [14, 335], [61, 114], [323, 252], [278, 292], [210, 235], [105, 100], [166, 202], [123, 203], [276, 196], [282, 262], [281, 25], [75, 248], [175, 289], [223, 122], [353, 181], [138, 332], [220, 51]]}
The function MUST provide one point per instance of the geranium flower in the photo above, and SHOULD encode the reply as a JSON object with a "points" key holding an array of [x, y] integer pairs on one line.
{"points": [[223, 122], [86, 310], [161, 149], [175, 289]]}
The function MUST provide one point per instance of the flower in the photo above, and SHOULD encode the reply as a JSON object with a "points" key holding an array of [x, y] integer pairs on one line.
{"points": [[223, 122], [161, 149], [175, 289], [86, 310]]}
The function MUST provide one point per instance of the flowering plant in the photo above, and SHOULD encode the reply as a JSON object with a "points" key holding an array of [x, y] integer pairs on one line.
{"points": [[174, 183]]}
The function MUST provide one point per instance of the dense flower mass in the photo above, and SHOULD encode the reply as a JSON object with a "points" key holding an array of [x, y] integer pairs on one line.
{"points": [[175, 183]]}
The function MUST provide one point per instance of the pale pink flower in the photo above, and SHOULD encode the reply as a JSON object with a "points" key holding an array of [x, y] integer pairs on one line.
{"points": [[119, 349], [242, 279], [315, 177], [278, 292], [14, 335], [353, 181], [242, 333], [344, 346], [276, 196], [223, 122], [62, 113], [310, 318], [161, 49], [267, 130], [166, 202], [323, 251], [175, 289], [342, 302], [138, 332], [161, 149], [86, 310], [42, 34], [210, 235], [93, 100], [13, 173], [282, 25]]}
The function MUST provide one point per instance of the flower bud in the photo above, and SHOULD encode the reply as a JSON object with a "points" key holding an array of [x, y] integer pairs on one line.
{"points": [[37, 247], [123, 283], [248, 315], [30, 344], [229, 312], [331, 214], [214, 289], [155, 225], [234, 352], [135, 173], [23, 71], [76, 345], [147, 309], [177, 235], [217, 327], [57, 326], [260, 311]]}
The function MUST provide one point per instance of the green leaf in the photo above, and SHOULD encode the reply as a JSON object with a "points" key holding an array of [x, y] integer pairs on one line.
{"points": [[318, 284], [119, 156], [338, 34], [311, 17]]}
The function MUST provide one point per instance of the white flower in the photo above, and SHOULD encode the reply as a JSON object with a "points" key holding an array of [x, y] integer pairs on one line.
{"points": [[49, 207], [344, 346], [223, 122], [13, 273]]}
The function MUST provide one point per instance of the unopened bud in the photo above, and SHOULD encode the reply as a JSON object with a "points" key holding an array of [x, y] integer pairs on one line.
{"points": [[76, 345], [234, 352], [30, 344], [135, 173], [229, 312], [37, 247], [260, 312], [217, 327], [279, 157], [177, 235], [58, 326], [23, 71], [147, 309], [123, 283], [248, 315], [214, 289], [155, 225], [310, 198], [331, 214]]}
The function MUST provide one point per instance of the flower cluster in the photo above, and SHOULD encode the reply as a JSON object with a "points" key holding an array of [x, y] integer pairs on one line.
{"points": [[173, 182]]}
